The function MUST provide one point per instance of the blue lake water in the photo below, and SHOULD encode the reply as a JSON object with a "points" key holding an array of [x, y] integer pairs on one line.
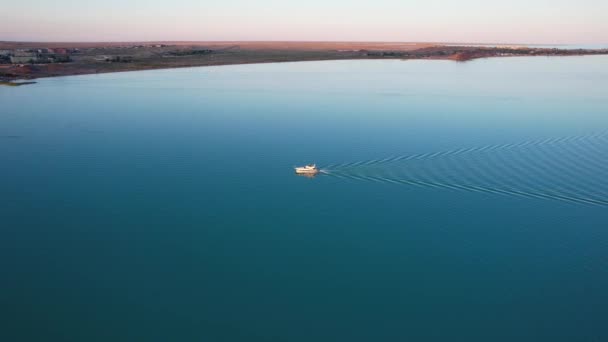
{"points": [[460, 202]]}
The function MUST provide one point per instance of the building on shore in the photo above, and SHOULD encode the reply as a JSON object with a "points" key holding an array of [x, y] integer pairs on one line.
{"points": [[24, 56], [39, 56], [23, 59]]}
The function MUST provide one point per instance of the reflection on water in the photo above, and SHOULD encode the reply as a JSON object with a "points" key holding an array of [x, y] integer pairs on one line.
{"points": [[307, 175]]}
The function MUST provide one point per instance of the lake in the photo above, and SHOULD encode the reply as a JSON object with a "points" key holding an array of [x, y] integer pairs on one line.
{"points": [[458, 202]]}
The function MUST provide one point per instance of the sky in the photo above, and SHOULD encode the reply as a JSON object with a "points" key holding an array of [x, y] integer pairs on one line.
{"points": [[470, 21]]}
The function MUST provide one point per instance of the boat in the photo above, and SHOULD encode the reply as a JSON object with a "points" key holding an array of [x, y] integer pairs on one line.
{"points": [[310, 169]]}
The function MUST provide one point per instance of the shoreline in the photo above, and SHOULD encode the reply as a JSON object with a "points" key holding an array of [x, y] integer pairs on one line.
{"points": [[101, 59], [15, 84]]}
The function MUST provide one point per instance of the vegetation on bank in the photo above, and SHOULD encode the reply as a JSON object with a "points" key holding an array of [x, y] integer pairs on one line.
{"points": [[190, 52]]}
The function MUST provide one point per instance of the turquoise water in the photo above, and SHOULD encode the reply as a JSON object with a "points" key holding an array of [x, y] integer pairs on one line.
{"points": [[460, 202]]}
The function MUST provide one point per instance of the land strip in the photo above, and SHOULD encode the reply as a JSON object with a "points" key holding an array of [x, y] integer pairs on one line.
{"points": [[31, 60]]}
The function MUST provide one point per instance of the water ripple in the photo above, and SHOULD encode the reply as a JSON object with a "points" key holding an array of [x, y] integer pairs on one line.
{"points": [[570, 169]]}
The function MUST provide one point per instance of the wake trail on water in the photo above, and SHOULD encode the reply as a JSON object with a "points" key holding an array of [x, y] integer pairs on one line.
{"points": [[570, 169]]}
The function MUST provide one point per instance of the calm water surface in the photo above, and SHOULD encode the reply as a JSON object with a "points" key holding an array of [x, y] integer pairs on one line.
{"points": [[462, 202]]}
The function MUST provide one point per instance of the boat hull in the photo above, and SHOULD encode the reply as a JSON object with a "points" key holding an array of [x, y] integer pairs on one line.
{"points": [[308, 172]]}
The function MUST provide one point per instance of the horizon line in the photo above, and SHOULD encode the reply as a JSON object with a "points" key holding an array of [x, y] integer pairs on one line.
{"points": [[290, 41]]}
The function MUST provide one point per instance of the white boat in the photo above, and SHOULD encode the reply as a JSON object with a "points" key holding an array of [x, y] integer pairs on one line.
{"points": [[310, 169]]}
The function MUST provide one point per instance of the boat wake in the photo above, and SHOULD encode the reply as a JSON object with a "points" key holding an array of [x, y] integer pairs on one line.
{"points": [[570, 169]]}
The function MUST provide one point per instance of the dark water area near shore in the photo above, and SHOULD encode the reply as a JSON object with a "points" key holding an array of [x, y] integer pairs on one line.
{"points": [[460, 201], [15, 84]]}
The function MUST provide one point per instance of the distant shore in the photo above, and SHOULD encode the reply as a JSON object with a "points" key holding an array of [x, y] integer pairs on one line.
{"points": [[30, 60]]}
